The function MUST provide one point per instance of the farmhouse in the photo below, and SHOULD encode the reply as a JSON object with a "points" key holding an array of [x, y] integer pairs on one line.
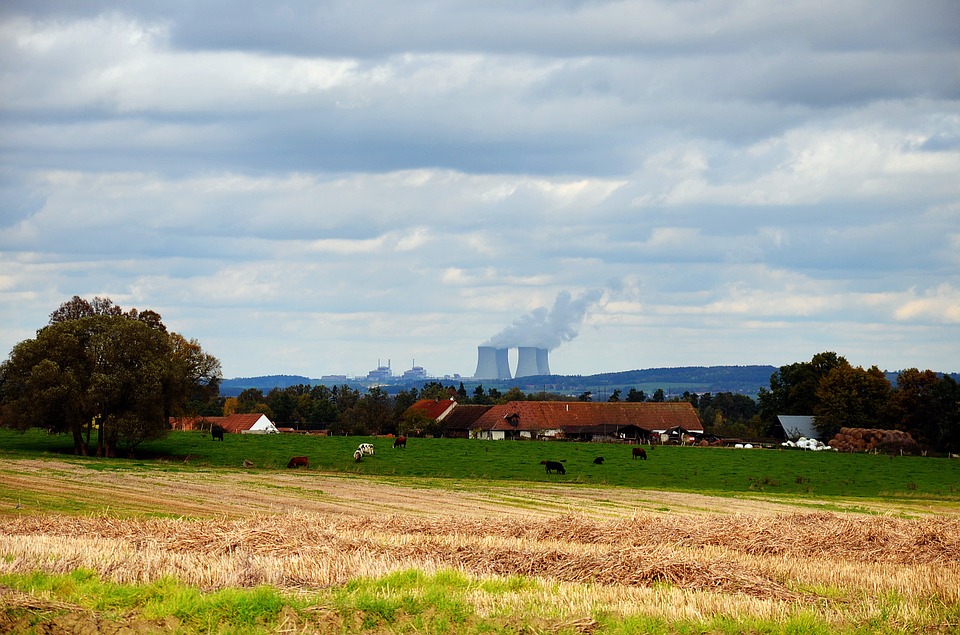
{"points": [[459, 422], [436, 409], [255, 423], [587, 421]]}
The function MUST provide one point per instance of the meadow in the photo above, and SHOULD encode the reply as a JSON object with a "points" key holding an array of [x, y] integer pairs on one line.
{"points": [[473, 536]]}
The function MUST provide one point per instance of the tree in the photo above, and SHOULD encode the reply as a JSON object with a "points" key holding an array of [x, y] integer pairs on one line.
{"points": [[793, 388], [615, 396], [586, 396], [103, 372], [514, 394], [198, 373], [928, 407], [658, 396], [849, 397], [636, 396], [372, 414], [480, 396]]}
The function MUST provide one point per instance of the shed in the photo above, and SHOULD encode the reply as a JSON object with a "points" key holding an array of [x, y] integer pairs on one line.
{"points": [[795, 426]]}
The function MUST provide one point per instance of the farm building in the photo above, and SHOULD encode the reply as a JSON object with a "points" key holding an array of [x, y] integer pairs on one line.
{"points": [[436, 409], [793, 427], [461, 420], [255, 423], [586, 421]]}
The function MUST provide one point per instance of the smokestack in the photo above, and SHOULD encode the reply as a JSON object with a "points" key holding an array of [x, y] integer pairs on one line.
{"points": [[492, 363], [543, 365], [527, 361]]}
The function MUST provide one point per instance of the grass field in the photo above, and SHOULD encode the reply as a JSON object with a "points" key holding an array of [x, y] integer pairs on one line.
{"points": [[721, 471], [474, 537]]}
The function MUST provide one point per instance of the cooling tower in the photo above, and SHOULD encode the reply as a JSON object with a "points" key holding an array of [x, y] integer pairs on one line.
{"points": [[503, 365], [492, 363], [543, 365], [527, 361]]}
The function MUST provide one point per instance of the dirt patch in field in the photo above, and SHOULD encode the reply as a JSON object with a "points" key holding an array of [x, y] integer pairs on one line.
{"points": [[37, 486]]}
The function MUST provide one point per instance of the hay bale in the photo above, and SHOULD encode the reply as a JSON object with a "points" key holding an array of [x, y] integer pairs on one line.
{"points": [[874, 439]]}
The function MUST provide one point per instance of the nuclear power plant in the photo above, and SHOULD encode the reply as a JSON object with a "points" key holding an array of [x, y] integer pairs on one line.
{"points": [[492, 362]]}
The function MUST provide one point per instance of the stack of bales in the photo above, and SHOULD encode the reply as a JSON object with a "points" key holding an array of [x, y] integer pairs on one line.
{"points": [[807, 444], [873, 440]]}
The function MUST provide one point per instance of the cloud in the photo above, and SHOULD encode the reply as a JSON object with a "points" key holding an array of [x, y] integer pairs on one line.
{"points": [[747, 183]]}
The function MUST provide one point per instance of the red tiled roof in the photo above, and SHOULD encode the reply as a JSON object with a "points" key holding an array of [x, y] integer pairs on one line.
{"points": [[234, 423], [464, 417], [550, 415], [433, 408]]}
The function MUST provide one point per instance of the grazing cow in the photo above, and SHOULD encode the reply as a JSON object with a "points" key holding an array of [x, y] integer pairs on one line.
{"points": [[299, 461], [400, 442], [640, 452], [553, 466], [216, 433], [598, 460], [366, 448], [357, 455]]}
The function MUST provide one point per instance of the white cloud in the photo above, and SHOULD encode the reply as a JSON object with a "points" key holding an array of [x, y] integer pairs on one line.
{"points": [[752, 183]]}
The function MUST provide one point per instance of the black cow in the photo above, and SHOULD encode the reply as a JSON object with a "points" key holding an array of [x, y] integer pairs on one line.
{"points": [[216, 433], [598, 460], [640, 452], [553, 466]]}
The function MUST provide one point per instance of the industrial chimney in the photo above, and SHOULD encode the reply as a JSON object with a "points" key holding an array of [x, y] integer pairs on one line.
{"points": [[492, 363]]}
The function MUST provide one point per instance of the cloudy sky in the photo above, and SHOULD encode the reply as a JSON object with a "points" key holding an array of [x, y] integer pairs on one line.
{"points": [[310, 187]]}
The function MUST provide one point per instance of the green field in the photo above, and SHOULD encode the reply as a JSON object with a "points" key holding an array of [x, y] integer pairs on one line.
{"points": [[715, 471], [469, 536]]}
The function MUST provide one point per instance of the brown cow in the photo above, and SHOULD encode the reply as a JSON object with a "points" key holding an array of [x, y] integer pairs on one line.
{"points": [[299, 461], [400, 442], [640, 452]]}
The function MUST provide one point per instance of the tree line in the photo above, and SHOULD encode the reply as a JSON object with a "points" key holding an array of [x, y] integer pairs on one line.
{"points": [[112, 378]]}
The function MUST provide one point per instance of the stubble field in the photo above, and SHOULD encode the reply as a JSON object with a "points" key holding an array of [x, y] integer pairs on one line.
{"points": [[89, 545]]}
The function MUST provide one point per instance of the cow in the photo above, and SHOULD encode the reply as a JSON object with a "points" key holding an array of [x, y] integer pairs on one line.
{"points": [[357, 455], [598, 460], [216, 433], [553, 466], [640, 452], [299, 461], [366, 448], [400, 442]]}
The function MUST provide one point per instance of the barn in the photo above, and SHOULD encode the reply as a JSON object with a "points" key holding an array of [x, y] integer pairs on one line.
{"points": [[462, 420], [254, 423], [587, 421]]}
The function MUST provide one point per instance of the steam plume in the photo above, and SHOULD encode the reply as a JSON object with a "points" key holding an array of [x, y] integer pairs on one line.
{"points": [[547, 329]]}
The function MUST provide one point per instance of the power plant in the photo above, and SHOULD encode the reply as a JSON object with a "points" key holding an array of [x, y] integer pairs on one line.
{"points": [[492, 362], [534, 335]]}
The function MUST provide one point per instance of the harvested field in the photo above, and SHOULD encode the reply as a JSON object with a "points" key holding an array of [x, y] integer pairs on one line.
{"points": [[590, 551]]}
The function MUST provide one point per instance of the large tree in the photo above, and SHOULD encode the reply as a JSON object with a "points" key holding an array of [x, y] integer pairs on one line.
{"points": [[793, 388], [849, 397], [97, 368]]}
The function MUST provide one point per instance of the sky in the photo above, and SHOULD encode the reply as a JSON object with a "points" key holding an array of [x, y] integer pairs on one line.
{"points": [[316, 188]]}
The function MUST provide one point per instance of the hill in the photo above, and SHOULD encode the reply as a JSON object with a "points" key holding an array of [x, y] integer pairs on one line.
{"points": [[739, 379]]}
